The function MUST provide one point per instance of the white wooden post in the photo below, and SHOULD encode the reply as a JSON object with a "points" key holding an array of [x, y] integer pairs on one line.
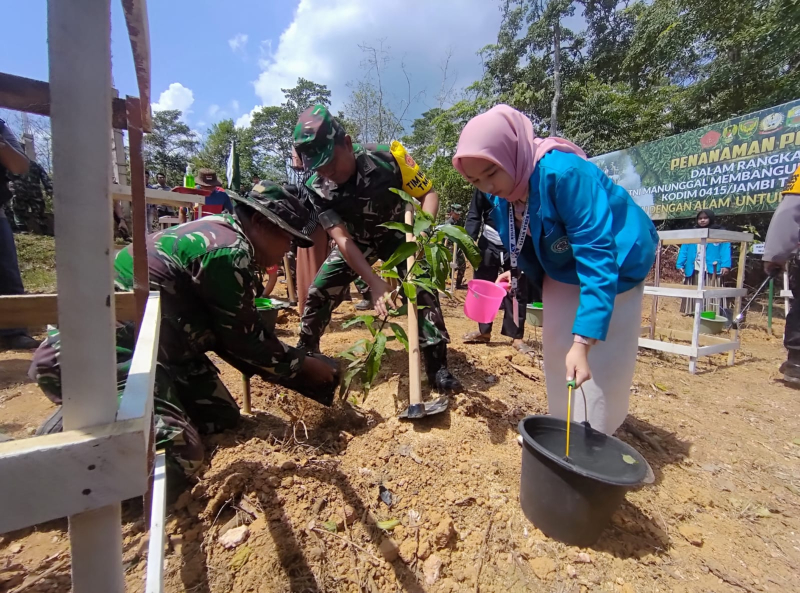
{"points": [[698, 305], [738, 302], [786, 290], [79, 34]]}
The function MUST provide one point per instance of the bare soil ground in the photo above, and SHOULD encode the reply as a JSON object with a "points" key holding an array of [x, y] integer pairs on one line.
{"points": [[723, 514]]}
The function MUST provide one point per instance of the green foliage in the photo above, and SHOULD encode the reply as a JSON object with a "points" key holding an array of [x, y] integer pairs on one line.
{"points": [[429, 273], [217, 147], [272, 128], [170, 146]]}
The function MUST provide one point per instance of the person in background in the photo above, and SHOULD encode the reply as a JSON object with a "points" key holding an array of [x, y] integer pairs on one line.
{"points": [[561, 216], [161, 182], [272, 280], [12, 162], [351, 192], [29, 203], [255, 179], [495, 261], [207, 273], [207, 179], [718, 262], [780, 246], [156, 211], [454, 218]]}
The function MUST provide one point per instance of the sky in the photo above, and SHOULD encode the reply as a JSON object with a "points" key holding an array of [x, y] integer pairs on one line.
{"points": [[217, 59]]}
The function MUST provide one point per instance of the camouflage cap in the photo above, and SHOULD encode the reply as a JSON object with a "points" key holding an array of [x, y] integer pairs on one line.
{"points": [[280, 208], [315, 135], [456, 208]]}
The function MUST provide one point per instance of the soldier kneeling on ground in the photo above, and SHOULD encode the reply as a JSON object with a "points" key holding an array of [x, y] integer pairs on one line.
{"points": [[207, 273]]}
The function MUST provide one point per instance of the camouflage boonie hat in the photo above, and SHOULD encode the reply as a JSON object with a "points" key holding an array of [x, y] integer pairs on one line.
{"points": [[315, 135], [280, 208], [456, 208]]}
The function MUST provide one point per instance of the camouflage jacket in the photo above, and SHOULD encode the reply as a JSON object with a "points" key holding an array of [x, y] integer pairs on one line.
{"points": [[28, 187], [205, 271], [365, 201]]}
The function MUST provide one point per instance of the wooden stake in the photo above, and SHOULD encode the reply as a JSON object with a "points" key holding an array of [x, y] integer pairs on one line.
{"points": [[141, 273], [453, 267], [698, 304], [657, 281], [289, 281], [414, 376], [79, 39], [738, 306], [245, 394]]}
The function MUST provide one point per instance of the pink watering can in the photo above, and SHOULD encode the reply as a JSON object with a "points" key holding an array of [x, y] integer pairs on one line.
{"points": [[484, 299]]}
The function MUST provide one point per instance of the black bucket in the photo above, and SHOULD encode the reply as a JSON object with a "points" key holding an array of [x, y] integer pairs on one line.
{"points": [[573, 500]]}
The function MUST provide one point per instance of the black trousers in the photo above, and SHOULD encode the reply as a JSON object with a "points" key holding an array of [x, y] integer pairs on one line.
{"points": [[494, 261], [791, 336]]}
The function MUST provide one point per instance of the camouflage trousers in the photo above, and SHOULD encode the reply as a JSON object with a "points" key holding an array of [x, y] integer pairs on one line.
{"points": [[332, 283], [189, 399], [461, 266], [21, 209]]}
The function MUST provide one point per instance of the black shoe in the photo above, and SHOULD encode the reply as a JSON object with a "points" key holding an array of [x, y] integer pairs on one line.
{"points": [[445, 382], [363, 305], [53, 424], [790, 371], [436, 368], [308, 349], [20, 342]]}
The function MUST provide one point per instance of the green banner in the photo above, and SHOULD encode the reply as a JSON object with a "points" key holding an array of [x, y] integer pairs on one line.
{"points": [[733, 167]]}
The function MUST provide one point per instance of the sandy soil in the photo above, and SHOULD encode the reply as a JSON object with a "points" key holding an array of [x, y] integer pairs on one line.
{"points": [[723, 513]]}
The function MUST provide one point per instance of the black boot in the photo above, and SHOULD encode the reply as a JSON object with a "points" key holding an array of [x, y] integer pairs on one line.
{"points": [[791, 368], [439, 377]]}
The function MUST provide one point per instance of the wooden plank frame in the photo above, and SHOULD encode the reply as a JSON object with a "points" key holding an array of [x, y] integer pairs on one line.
{"points": [[33, 96], [688, 293], [713, 345], [703, 235], [31, 310], [75, 471], [156, 196], [158, 510]]}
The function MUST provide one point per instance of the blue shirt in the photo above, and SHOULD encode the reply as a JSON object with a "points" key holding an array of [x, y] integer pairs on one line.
{"points": [[715, 252], [586, 231]]}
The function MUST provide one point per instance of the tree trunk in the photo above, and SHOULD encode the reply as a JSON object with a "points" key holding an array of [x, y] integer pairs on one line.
{"points": [[556, 76]]}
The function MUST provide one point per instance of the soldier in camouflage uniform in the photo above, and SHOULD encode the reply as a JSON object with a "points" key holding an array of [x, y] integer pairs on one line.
{"points": [[28, 202], [351, 193], [454, 218], [207, 272]]}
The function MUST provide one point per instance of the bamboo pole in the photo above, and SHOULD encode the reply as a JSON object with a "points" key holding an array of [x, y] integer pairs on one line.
{"points": [[245, 394], [414, 376], [738, 305], [289, 281], [657, 281]]}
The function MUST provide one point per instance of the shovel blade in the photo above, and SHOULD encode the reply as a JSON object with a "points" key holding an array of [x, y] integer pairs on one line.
{"points": [[421, 410]]}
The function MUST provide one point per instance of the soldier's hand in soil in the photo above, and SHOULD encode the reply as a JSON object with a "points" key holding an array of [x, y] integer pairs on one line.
{"points": [[578, 364], [383, 296], [772, 268], [318, 371], [504, 277]]}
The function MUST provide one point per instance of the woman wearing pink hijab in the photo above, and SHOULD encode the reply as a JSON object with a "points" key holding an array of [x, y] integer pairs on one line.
{"points": [[561, 216]]}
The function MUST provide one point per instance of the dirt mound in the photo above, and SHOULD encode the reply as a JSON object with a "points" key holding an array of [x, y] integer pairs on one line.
{"points": [[304, 498]]}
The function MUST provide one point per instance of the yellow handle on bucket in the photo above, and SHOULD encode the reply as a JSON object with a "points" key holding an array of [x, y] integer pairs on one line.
{"points": [[570, 387]]}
